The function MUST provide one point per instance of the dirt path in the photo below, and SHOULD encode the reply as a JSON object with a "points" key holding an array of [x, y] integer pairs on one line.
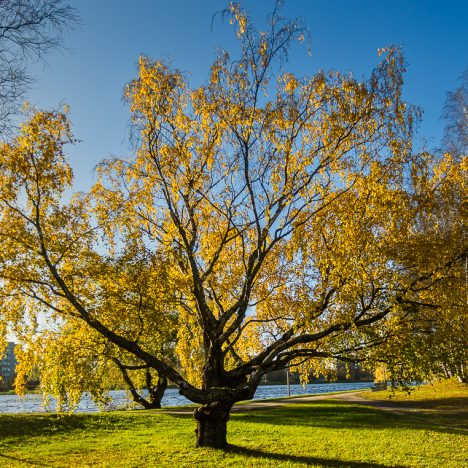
{"points": [[262, 404], [351, 397], [385, 405]]}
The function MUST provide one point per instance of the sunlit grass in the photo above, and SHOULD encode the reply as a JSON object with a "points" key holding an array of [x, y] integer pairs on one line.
{"points": [[435, 394], [323, 433]]}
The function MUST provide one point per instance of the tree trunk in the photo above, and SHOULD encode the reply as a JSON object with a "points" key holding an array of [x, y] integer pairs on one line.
{"points": [[462, 375], [155, 393], [212, 424], [148, 404]]}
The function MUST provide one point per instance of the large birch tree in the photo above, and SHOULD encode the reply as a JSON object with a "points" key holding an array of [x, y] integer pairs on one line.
{"points": [[281, 209]]}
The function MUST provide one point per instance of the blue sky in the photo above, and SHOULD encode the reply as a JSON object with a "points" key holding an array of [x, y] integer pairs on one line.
{"points": [[345, 35]]}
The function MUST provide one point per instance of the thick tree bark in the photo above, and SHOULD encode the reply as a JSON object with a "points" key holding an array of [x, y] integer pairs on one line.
{"points": [[212, 424]]}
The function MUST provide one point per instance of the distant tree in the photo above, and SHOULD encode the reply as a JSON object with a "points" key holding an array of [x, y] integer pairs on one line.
{"points": [[29, 31], [455, 115]]}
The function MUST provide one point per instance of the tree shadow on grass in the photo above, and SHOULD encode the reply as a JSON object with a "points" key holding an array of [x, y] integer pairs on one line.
{"points": [[336, 414], [22, 460], [343, 415], [28, 425], [325, 462]]}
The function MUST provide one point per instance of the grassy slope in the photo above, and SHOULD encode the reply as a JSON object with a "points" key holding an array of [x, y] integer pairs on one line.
{"points": [[434, 395], [324, 433]]}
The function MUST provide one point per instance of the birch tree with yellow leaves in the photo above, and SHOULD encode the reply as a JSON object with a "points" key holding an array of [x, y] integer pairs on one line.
{"points": [[433, 342], [275, 210], [71, 358]]}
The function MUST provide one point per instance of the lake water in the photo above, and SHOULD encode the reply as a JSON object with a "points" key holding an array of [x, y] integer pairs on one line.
{"points": [[31, 403]]}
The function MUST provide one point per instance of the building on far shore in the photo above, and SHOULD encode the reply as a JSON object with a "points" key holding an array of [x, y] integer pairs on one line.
{"points": [[8, 367]]}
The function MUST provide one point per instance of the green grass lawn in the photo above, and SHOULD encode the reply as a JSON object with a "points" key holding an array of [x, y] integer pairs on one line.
{"points": [[323, 433]]}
